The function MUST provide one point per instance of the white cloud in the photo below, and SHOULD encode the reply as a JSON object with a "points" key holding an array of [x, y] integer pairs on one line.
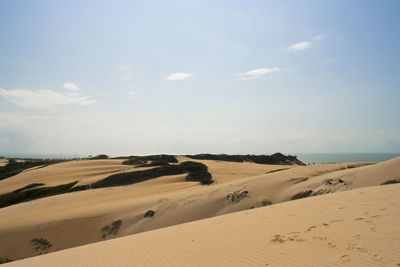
{"points": [[306, 44], [43, 99], [178, 76], [299, 46], [71, 86], [252, 74]]}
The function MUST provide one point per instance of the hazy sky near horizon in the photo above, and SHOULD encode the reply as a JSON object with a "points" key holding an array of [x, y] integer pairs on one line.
{"points": [[143, 77]]}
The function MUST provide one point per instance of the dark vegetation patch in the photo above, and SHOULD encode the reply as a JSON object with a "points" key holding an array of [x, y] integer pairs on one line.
{"points": [[149, 213], [303, 194], [13, 167], [237, 196], [111, 229], [277, 170], [330, 181], [157, 160], [276, 158], [393, 181], [22, 195], [141, 176], [41, 245], [266, 202], [298, 180], [29, 186], [5, 260], [101, 156]]}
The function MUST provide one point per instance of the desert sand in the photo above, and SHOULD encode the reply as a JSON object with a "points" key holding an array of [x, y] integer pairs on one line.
{"points": [[355, 228], [250, 236]]}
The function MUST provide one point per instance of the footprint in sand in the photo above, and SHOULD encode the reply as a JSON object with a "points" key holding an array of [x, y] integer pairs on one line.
{"points": [[373, 229], [320, 238], [363, 250], [310, 228], [357, 237], [335, 221], [359, 219], [325, 224], [351, 246], [345, 259], [331, 245]]}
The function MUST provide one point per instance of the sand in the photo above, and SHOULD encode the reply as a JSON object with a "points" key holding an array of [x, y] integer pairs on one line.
{"points": [[78, 218], [353, 228]]}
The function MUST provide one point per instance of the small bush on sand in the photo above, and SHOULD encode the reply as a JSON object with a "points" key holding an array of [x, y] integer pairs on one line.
{"points": [[303, 194], [393, 181], [112, 229], [5, 260], [266, 202], [101, 156], [41, 245], [149, 213]]}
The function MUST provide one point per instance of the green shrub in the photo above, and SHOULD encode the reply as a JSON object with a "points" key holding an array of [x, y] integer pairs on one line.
{"points": [[5, 260], [266, 202], [100, 156], [303, 194], [149, 213], [393, 181]]}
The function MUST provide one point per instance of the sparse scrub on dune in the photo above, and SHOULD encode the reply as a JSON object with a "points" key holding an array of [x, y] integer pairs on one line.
{"points": [[100, 156], [392, 181], [41, 245], [237, 196], [303, 194], [277, 170], [151, 160], [112, 229], [266, 202], [5, 260], [149, 213]]}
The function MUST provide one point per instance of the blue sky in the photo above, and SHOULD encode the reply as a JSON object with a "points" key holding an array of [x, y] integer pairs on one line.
{"points": [[141, 77]]}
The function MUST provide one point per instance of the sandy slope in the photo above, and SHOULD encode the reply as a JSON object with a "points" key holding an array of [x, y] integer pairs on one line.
{"points": [[77, 218], [3, 162], [354, 228]]}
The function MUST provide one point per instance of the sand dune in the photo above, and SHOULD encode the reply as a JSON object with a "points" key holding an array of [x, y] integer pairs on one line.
{"points": [[79, 218], [353, 228]]}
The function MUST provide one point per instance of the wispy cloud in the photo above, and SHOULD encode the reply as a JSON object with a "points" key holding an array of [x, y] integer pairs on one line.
{"points": [[305, 44], [178, 76], [125, 72], [71, 86], [299, 46], [44, 99], [252, 74], [319, 37]]}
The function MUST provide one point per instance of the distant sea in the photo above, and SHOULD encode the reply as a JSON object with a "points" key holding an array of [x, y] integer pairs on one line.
{"points": [[44, 156], [316, 158]]}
